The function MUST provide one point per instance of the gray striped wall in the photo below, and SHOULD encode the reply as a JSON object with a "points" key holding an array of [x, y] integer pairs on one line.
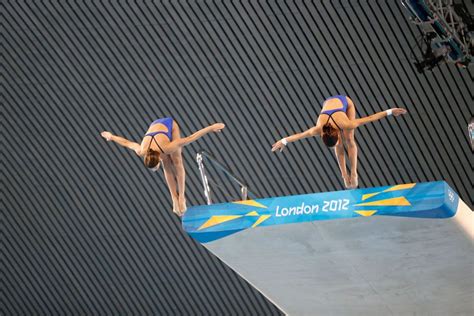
{"points": [[87, 230]]}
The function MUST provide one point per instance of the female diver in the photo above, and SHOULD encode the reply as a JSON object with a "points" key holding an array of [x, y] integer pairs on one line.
{"points": [[336, 123], [163, 143]]}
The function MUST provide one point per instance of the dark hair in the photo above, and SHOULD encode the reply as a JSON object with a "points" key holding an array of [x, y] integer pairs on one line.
{"points": [[330, 135], [152, 159]]}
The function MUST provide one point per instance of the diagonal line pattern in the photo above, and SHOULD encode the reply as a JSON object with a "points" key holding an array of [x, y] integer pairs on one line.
{"points": [[87, 230]]}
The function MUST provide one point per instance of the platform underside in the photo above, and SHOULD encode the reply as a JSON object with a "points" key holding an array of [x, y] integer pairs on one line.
{"points": [[362, 266]]}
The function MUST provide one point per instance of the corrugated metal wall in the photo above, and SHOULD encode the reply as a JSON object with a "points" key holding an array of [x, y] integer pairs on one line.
{"points": [[87, 230]]}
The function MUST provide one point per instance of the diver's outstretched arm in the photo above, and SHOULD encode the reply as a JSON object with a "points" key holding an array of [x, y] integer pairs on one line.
{"points": [[371, 118], [122, 142], [179, 143], [280, 145]]}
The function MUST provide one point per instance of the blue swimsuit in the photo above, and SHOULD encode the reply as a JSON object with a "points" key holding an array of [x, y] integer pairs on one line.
{"points": [[168, 122], [345, 104], [341, 98]]}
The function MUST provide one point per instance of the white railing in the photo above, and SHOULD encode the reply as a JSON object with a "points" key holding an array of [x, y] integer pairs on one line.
{"points": [[203, 157]]}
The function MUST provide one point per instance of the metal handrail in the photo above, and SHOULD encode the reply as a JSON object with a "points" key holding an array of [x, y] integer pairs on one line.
{"points": [[245, 193]]}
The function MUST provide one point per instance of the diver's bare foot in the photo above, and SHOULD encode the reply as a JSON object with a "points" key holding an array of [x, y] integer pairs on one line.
{"points": [[175, 205], [182, 205], [347, 182], [354, 181]]}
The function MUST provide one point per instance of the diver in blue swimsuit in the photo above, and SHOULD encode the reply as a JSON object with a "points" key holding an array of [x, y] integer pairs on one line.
{"points": [[163, 143], [336, 125]]}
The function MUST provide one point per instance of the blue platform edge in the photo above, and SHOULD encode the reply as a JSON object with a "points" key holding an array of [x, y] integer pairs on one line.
{"points": [[206, 223]]}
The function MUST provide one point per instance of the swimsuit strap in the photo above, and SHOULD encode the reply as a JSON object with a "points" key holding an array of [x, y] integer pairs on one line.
{"points": [[331, 118], [156, 142]]}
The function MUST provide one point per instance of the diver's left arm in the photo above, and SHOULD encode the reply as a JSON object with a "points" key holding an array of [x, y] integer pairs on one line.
{"points": [[351, 124], [179, 143]]}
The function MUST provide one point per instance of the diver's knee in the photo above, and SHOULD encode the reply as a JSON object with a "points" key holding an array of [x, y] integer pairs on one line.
{"points": [[178, 162], [165, 160], [350, 143]]}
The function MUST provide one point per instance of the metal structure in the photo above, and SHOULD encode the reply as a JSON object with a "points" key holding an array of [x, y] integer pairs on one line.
{"points": [[205, 183], [470, 129], [443, 27], [244, 192]]}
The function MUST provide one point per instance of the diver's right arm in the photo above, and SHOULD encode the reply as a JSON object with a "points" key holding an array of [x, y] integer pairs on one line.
{"points": [[280, 145], [122, 142]]}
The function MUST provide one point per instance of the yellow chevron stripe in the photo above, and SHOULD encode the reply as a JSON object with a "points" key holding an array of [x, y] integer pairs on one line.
{"points": [[250, 203], [368, 195], [218, 219], [261, 219], [401, 187], [253, 213], [398, 201], [366, 213], [394, 188]]}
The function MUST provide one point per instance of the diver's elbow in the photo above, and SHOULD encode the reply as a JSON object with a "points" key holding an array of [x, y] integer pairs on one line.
{"points": [[313, 132]]}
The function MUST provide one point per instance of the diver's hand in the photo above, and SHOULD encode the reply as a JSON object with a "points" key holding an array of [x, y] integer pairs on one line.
{"points": [[398, 111], [279, 145], [107, 135], [216, 128]]}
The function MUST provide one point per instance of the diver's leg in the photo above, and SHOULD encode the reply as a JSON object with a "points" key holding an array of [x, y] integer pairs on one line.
{"points": [[170, 177], [352, 153], [181, 178], [177, 158], [352, 147], [341, 160]]}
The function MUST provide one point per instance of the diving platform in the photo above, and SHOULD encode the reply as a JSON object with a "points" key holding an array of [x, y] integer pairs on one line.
{"points": [[402, 249]]}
